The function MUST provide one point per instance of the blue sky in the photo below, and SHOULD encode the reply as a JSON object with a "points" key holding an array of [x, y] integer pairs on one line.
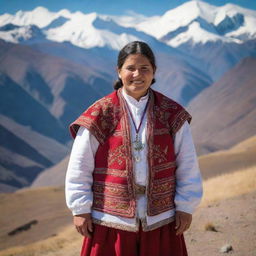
{"points": [[146, 7]]}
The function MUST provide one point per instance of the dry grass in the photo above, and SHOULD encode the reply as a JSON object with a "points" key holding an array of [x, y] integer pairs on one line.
{"points": [[229, 185], [210, 227], [68, 242], [46, 205], [54, 235], [239, 157], [247, 144]]}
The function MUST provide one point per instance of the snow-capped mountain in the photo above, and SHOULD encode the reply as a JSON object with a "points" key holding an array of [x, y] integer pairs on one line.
{"points": [[187, 32], [200, 22], [63, 26], [194, 22], [94, 32], [40, 16]]}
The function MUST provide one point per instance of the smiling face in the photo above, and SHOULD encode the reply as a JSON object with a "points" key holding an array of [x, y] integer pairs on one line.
{"points": [[136, 74]]}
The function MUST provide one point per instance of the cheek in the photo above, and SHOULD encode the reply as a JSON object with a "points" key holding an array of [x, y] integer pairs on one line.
{"points": [[126, 76]]}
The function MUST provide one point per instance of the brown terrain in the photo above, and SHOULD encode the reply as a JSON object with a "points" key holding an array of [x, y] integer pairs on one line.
{"points": [[38, 222], [225, 113], [34, 135]]}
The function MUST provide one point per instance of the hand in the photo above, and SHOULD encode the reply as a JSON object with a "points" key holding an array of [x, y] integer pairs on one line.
{"points": [[83, 224], [182, 222]]}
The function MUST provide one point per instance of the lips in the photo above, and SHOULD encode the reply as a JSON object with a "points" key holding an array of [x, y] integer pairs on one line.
{"points": [[137, 82]]}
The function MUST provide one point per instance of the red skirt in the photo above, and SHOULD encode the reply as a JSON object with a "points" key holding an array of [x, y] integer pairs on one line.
{"points": [[114, 242]]}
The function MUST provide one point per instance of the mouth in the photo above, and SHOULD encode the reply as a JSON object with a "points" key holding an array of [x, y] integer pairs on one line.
{"points": [[137, 82]]}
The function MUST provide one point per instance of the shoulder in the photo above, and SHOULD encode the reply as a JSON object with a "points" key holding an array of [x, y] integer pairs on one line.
{"points": [[166, 103], [104, 110], [106, 102], [168, 111], [100, 118]]}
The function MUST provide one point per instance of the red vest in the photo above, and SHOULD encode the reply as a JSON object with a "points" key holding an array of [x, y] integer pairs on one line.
{"points": [[113, 177]]}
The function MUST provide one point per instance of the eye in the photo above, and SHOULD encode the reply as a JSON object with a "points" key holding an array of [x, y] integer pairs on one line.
{"points": [[130, 68]]}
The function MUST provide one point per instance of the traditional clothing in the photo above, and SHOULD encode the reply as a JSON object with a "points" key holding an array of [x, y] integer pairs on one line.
{"points": [[114, 242], [108, 166]]}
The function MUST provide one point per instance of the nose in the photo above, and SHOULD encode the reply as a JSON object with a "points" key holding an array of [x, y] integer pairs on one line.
{"points": [[136, 72]]}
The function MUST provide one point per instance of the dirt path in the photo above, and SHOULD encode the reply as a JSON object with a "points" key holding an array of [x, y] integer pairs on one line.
{"points": [[235, 222]]}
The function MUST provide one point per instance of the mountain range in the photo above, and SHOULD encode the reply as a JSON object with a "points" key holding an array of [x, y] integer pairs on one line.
{"points": [[53, 65]]}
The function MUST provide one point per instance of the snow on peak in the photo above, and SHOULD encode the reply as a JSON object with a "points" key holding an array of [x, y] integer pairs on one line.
{"points": [[195, 34], [40, 17], [80, 31], [180, 16], [20, 34], [76, 28], [193, 9], [64, 13], [227, 23], [40, 10], [194, 21], [131, 19]]}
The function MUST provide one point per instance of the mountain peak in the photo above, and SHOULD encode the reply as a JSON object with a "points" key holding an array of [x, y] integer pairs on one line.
{"points": [[191, 10], [40, 9], [65, 13], [229, 23], [194, 21]]}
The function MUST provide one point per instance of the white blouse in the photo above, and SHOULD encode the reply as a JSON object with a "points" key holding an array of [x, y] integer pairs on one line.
{"points": [[81, 165]]}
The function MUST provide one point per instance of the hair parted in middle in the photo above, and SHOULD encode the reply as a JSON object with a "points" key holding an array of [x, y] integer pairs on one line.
{"points": [[135, 47]]}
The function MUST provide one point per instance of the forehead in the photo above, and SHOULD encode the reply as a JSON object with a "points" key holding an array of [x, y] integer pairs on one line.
{"points": [[137, 59]]}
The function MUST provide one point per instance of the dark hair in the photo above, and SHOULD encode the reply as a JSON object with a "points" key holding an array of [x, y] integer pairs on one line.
{"points": [[134, 47]]}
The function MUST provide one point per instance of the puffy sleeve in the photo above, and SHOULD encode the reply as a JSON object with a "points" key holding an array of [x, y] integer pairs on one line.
{"points": [[188, 178], [78, 183]]}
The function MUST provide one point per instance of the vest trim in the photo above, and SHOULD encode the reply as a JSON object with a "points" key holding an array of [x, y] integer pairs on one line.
{"points": [[143, 222]]}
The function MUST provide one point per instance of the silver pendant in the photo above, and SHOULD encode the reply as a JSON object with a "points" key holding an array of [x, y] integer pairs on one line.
{"points": [[137, 144]]}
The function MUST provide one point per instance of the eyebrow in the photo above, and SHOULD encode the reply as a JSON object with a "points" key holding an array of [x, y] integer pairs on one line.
{"points": [[142, 65]]}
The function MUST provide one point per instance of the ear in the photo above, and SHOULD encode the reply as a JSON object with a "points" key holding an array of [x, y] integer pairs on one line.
{"points": [[118, 72]]}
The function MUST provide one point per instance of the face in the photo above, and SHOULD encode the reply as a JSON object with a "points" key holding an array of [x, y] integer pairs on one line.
{"points": [[136, 74]]}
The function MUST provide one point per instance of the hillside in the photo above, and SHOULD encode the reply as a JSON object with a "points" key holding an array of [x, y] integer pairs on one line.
{"points": [[54, 234], [225, 113], [241, 156], [40, 95], [54, 176], [46, 206]]}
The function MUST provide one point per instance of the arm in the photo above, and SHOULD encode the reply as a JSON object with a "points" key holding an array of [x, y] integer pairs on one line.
{"points": [[79, 179], [188, 179]]}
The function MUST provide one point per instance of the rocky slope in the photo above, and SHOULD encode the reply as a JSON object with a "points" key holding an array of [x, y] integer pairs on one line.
{"points": [[225, 113]]}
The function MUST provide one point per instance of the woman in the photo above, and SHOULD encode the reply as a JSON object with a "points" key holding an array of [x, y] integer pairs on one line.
{"points": [[133, 180]]}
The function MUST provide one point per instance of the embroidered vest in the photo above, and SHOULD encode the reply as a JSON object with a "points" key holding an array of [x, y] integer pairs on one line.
{"points": [[113, 178]]}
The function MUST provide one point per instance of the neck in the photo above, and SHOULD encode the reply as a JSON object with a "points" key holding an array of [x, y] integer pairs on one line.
{"points": [[136, 97]]}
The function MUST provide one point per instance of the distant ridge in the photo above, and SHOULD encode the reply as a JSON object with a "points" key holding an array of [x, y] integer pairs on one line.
{"points": [[54, 176], [39, 96], [225, 113]]}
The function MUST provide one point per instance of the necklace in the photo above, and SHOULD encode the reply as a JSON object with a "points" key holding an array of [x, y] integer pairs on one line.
{"points": [[137, 144]]}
